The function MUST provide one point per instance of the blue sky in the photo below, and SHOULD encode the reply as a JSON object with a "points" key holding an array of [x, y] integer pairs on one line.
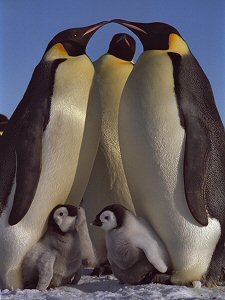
{"points": [[27, 26]]}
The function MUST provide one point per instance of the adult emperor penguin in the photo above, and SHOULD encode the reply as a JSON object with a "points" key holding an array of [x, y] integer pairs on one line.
{"points": [[173, 150], [108, 183], [41, 146]]}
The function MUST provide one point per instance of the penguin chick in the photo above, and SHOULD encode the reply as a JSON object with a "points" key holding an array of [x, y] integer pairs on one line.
{"points": [[87, 250], [134, 250], [56, 259]]}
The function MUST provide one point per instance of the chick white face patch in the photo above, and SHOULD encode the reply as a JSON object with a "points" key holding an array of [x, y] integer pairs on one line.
{"points": [[108, 220], [63, 220]]}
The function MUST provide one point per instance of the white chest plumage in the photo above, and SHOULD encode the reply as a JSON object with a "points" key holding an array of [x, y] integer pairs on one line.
{"points": [[111, 75], [61, 145], [152, 145], [107, 182], [64, 134]]}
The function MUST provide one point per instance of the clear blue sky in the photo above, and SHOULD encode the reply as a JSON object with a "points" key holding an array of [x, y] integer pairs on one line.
{"points": [[27, 26]]}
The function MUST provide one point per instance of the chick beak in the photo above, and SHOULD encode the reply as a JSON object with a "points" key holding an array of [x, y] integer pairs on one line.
{"points": [[96, 223]]}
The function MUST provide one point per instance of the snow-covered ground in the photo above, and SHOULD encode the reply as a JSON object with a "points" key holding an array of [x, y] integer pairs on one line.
{"points": [[107, 287]]}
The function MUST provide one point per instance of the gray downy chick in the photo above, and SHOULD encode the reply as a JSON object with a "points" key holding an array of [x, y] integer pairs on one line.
{"points": [[56, 259], [134, 250], [87, 251]]}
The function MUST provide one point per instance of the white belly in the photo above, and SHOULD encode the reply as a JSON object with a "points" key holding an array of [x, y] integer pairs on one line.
{"points": [[152, 146], [60, 154], [108, 183], [89, 146]]}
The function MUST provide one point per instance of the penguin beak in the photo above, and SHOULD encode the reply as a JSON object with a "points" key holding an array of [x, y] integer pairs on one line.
{"points": [[72, 210], [124, 38], [133, 26], [96, 222], [81, 202], [90, 30]]}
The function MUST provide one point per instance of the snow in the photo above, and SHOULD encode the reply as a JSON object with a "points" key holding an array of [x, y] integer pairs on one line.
{"points": [[107, 287]]}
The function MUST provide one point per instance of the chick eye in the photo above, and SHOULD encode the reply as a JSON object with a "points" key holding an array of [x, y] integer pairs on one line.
{"points": [[106, 218], [61, 214]]}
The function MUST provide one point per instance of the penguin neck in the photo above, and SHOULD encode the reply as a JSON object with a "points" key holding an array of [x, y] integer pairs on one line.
{"points": [[148, 54], [156, 63], [58, 232], [109, 59], [120, 54], [51, 56]]}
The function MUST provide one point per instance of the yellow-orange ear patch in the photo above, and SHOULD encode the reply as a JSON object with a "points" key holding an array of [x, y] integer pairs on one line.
{"points": [[57, 51], [177, 44], [59, 48]]}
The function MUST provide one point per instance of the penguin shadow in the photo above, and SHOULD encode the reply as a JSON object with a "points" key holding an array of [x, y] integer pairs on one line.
{"points": [[97, 284]]}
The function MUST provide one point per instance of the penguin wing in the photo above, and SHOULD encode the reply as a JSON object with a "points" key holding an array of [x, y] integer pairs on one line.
{"points": [[28, 160], [148, 241], [31, 116], [197, 147], [7, 172], [150, 248], [202, 125]]}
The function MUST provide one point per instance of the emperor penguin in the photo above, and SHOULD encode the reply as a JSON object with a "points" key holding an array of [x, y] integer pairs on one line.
{"points": [[108, 183], [55, 260], [173, 150], [41, 145], [134, 250]]}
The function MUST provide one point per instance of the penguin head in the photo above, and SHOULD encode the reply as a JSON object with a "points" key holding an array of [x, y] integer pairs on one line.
{"points": [[111, 217], [122, 46], [71, 42], [63, 217], [157, 36]]}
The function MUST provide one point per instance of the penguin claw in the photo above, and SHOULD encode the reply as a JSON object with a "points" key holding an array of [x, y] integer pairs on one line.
{"points": [[211, 284], [103, 269]]}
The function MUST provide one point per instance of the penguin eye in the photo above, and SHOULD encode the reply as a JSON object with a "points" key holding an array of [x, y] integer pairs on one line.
{"points": [[106, 218], [61, 214]]}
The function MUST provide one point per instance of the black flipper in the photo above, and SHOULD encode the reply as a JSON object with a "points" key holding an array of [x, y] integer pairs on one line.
{"points": [[204, 135], [195, 168], [3, 122], [22, 139], [7, 173], [28, 155]]}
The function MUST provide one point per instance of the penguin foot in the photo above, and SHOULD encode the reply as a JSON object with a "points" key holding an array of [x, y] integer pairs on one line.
{"points": [[211, 284], [162, 278], [103, 269], [214, 281], [148, 278], [75, 278], [29, 286]]}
